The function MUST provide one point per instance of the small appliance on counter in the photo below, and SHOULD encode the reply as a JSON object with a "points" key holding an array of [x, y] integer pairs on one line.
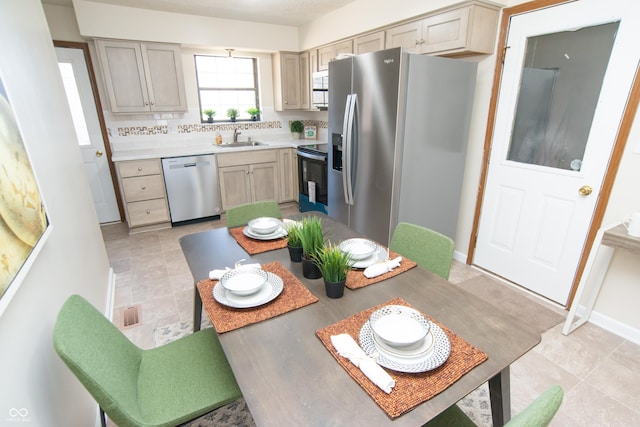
{"points": [[312, 177]]}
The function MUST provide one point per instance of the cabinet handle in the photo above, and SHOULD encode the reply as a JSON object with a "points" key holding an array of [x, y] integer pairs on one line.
{"points": [[146, 103], [139, 169], [148, 211], [144, 187], [422, 41]]}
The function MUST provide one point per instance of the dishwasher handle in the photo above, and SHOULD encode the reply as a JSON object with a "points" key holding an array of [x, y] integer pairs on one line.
{"points": [[189, 165]]}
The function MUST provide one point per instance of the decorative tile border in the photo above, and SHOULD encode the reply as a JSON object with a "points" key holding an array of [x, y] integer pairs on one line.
{"points": [[207, 127]]}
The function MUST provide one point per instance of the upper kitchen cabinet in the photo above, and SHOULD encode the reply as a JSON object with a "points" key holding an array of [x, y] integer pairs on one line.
{"points": [[368, 43], [142, 77], [466, 29], [329, 53], [291, 81]]}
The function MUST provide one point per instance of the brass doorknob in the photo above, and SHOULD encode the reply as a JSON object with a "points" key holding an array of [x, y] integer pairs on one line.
{"points": [[585, 190], [99, 153]]}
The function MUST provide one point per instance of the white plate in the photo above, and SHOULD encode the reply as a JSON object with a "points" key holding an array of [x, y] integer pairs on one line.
{"points": [[280, 232], [428, 362], [267, 293], [399, 326], [379, 255], [423, 349], [358, 249]]}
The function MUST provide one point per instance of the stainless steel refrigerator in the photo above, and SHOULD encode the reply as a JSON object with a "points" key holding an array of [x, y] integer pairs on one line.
{"points": [[398, 133]]}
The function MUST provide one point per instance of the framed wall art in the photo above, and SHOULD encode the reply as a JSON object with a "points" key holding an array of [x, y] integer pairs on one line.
{"points": [[24, 225], [311, 132]]}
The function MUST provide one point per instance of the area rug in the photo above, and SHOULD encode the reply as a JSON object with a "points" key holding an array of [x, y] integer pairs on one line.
{"points": [[531, 311], [236, 414]]}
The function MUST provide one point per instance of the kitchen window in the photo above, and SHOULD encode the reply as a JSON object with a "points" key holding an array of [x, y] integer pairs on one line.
{"points": [[226, 82]]}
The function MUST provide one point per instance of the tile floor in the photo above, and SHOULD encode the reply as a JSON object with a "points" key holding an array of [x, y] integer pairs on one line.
{"points": [[599, 371]]}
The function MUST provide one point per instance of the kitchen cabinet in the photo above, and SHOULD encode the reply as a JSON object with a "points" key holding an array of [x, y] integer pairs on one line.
{"points": [[369, 43], [329, 53], [142, 77], [144, 195], [248, 176], [291, 78], [466, 29], [288, 169]]}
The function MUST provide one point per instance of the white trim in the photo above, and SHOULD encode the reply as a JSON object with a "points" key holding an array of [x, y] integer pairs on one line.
{"points": [[111, 289], [615, 327]]}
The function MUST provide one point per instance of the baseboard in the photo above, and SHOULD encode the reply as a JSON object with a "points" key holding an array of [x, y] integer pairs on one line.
{"points": [[614, 326], [459, 256]]}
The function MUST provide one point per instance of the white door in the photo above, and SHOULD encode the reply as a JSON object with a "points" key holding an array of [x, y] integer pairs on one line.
{"points": [[567, 74], [77, 84]]}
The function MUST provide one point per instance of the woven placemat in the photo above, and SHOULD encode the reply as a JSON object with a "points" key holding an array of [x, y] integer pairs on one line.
{"points": [[410, 389], [253, 246], [294, 295], [356, 278]]}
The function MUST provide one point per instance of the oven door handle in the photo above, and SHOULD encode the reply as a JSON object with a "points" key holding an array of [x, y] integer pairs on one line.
{"points": [[319, 157]]}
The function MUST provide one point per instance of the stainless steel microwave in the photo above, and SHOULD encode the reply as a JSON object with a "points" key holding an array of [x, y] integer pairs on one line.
{"points": [[320, 90]]}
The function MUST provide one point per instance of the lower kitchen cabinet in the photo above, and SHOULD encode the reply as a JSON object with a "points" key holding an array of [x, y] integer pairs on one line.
{"points": [[248, 176], [144, 195], [288, 175]]}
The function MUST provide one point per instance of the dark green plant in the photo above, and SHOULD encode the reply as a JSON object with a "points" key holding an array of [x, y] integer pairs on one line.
{"points": [[311, 236], [293, 236], [209, 112], [296, 126], [334, 264], [253, 111], [232, 113]]}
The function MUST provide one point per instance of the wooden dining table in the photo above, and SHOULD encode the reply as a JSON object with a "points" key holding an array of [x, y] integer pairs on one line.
{"points": [[286, 374]]}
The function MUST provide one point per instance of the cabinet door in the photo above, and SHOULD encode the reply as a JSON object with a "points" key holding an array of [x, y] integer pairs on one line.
{"points": [[234, 186], [407, 36], [305, 81], [291, 91], [369, 43], [164, 77], [288, 175], [445, 31], [124, 77], [329, 53], [264, 181]]}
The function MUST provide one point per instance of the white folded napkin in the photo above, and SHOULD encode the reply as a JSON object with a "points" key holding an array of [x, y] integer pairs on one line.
{"points": [[217, 274], [382, 267], [347, 347]]}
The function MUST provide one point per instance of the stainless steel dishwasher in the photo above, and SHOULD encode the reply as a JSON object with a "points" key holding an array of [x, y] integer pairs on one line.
{"points": [[192, 187]]}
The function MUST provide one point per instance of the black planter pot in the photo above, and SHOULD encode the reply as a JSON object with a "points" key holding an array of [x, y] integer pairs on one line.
{"points": [[309, 269], [210, 120], [295, 253], [334, 289]]}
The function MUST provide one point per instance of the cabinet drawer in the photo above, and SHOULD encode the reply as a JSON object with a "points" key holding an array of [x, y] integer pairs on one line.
{"points": [[143, 188], [147, 212], [242, 158], [139, 168]]}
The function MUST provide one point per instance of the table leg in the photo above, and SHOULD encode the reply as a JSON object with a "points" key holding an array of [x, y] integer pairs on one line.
{"points": [[197, 309], [500, 396]]}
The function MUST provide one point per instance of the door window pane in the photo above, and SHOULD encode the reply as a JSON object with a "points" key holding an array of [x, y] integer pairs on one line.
{"points": [[73, 98], [559, 89]]}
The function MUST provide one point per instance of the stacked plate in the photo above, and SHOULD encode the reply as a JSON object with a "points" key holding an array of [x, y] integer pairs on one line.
{"points": [[402, 339], [363, 252], [265, 228], [247, 287]]}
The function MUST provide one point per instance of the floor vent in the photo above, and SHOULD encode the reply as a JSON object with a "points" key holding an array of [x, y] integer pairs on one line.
{"points": [[131, 316]]}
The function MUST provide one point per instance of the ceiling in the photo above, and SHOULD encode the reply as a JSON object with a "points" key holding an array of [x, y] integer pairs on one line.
{"points": [[282, 12]]}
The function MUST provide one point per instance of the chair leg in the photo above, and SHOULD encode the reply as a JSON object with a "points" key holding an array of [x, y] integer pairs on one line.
{"points": [[103, 418]]}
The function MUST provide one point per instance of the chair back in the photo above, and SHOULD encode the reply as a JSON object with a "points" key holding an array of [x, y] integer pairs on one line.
{"points": [[428, 248], [541, 411], [241, 215], [100, 356]]}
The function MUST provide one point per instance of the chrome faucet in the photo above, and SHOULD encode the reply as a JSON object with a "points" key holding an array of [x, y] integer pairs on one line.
{"points": [[235, 135]]}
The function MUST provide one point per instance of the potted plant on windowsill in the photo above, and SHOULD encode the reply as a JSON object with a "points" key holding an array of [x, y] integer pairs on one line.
{"points": [[209, 113], [254, 113], [334, 264], [294, 244], [296, 127], [232, 113], [312, 241]]}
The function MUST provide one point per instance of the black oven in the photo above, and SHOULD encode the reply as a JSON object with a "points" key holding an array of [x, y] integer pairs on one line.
{"points": [[312, 177]]}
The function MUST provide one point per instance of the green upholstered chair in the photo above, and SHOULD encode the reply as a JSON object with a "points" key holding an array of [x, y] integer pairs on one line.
{"points": [[538, 414], [241, 215], [163, 386], [428, 248]]}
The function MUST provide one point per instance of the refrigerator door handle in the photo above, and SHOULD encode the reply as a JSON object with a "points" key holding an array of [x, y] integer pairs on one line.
{"points": [[349, 141], [346, 134]]}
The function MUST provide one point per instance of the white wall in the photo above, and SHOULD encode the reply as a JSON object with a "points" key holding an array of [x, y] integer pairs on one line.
{"points": [[73, 259]]}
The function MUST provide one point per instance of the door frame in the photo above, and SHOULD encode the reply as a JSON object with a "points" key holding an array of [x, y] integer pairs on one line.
{"points": [[628, 116], [103, 126]]}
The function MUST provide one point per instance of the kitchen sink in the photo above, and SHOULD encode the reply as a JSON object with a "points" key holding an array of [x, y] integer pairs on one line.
{"points": [[242, 144]]}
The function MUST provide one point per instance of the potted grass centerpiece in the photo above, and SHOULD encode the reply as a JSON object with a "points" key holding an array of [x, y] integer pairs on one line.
{"points": [[294, 244], [334, 264], [312, 241]]}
